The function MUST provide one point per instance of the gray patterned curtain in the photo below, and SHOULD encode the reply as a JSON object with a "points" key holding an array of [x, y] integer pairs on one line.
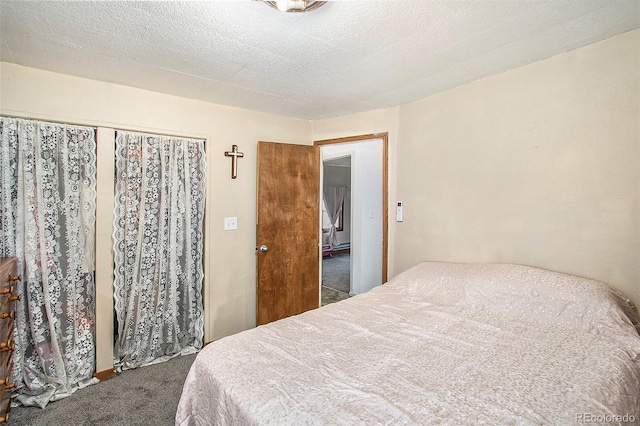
{"points": [[47, 221], [158, 246]]}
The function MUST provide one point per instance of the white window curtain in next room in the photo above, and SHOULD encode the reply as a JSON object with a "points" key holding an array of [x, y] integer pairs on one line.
{"points": [[47, 221], [158, 247], [333, 201]]}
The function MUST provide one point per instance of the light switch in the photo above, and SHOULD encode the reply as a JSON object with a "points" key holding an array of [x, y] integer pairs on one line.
{"points": [[230, 223]]}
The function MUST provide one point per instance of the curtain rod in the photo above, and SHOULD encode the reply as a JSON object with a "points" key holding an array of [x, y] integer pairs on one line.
{"points": [[66, 123], [113, 126]]}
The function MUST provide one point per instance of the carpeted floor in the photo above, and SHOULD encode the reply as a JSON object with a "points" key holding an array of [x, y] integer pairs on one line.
{"points": [[144, 396], [336, 272], [330, 295], [336, 278]]}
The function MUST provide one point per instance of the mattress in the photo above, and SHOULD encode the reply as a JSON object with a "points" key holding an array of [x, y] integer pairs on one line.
{"points": [[439, 344]]}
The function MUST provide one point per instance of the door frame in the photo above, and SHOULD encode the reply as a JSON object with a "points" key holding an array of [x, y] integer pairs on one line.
{"points": [[385, 186]]}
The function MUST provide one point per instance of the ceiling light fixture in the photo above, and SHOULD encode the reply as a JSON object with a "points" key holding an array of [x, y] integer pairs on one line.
{"points": [[295, 5]]}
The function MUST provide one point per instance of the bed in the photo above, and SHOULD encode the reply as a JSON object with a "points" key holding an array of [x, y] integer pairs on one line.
{"points": [[441, 343]]}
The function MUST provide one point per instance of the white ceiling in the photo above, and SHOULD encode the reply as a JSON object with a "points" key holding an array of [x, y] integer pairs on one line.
{"points": [[342, 58]]}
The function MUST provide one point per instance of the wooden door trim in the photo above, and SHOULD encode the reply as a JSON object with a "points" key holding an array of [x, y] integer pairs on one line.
{"points": [[385, 186]]}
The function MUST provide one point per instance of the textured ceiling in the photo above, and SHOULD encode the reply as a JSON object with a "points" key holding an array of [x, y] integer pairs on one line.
{"points": [[342, 58]]}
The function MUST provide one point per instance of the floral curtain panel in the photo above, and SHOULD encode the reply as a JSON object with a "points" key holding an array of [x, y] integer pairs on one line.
{"points": [[47, 221], [158, 246]]}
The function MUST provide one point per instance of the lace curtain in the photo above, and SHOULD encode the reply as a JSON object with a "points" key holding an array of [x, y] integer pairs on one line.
{"points": [[158, 246], [333, 201], [47, 221]]}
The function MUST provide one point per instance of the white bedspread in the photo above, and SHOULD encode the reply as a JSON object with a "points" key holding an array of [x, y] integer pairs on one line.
{"points": [[439, 344]]}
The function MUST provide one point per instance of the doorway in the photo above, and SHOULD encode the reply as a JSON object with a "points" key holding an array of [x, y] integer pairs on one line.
{"points": [[368, 206], [336, 229]]}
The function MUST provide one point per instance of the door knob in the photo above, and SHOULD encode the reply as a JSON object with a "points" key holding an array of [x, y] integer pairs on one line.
{"points": [[264, 248]]}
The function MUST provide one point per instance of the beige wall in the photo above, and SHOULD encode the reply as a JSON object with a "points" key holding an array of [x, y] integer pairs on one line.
{"points": [[230, 270], [539, 165]]}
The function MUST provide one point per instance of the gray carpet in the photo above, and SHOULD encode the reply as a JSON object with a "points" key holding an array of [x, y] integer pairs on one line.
{"points": [[335, 278], [335, 272], [330, 295], [144, 396]]}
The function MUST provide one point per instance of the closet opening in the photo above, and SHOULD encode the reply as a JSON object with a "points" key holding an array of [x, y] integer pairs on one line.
{"points": [[158, 247]]}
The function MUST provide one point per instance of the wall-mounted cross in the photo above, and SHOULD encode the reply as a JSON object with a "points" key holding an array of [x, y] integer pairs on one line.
{"points": [[234, 154]]}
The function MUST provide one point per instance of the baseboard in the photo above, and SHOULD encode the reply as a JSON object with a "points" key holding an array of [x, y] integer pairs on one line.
{"points": [[111, 373], [105, 374], [340, 251]]}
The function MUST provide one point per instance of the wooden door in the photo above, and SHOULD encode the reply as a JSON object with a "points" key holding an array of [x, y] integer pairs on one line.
{"points": [[288, 228]]}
